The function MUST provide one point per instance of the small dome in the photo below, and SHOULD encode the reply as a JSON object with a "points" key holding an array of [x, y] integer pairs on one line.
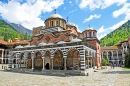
{"points": [[70, 24], [19, 46], [61, 42], [76, 40], [55, 16], [41, 44]]}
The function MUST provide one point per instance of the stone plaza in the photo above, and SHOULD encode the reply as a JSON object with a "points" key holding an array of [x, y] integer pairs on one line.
{"points": [[105, 77]]}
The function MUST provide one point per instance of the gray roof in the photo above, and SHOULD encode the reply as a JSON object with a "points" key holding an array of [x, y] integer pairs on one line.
{"points": [[42, 44], [70, 24], [61, 42], [55, 16], [19, 46], [76, 40]]}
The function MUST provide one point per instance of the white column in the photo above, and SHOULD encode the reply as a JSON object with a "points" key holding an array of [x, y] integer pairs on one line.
{"points": [[65, 63], [32, 61], [126, 48], [102, 54], [2, 56], [117, 54], [52, 63], [91, 62], [88, 62], [43, 63]]}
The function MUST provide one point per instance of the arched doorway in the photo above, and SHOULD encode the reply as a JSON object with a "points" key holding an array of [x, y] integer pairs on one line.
{"points": [[47, 60], [38, 63], [58, 62], [29, 61], [73, 60]]}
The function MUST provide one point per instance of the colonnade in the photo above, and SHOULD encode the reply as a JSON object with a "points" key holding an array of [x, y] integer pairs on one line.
{"points": [[114, 56]]}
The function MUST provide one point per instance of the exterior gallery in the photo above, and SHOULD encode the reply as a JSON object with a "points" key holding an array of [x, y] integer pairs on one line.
{"points": [[58, 46]]}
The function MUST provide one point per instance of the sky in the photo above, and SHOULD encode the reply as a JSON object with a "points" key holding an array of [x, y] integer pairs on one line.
{"points": [[101, 15]]}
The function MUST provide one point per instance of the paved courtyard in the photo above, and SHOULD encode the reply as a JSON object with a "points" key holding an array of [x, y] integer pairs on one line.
{"points": [[106, 77]]}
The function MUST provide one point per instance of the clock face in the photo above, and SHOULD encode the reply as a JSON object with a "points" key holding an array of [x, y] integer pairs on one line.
{"points": [[47, 38]]}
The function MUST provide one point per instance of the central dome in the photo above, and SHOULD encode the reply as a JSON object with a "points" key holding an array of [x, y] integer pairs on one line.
{"points": [[55, 16]]}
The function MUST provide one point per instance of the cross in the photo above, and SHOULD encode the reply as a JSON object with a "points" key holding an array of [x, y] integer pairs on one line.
{"points": [[67, 18], [55, 11]]}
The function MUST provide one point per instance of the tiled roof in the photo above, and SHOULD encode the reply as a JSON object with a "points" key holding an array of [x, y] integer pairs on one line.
{"points": [[13, 43], [109, 48], [3, 42]]}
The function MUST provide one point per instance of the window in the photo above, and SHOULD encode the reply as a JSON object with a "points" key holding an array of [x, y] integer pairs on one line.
{"points": [[57, 23], [52, 23], [89, 34]]}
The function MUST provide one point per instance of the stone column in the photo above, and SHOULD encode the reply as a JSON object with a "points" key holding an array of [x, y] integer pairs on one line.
{"points": [[123, 47], [17, 59], [88, 63], [2, 57], [91, 62], [43, 63], [117, 58], [112, 55], [65, 63], [126, 48], [102, 54], [52, 63], [32, 56]]}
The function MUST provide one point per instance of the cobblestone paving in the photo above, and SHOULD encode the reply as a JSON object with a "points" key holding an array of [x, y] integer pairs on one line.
{"points": [[107, 77]]}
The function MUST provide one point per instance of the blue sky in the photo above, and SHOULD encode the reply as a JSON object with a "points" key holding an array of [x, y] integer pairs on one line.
{"points": [[102, 15]]}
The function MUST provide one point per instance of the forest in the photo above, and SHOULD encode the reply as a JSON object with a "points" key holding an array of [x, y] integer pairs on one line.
{"points": [[120, 34], [9, 33]]}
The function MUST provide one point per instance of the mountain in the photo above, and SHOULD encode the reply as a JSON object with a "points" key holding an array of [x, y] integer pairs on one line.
{"points": [[7, 32], [120, 34], [20, 28]]}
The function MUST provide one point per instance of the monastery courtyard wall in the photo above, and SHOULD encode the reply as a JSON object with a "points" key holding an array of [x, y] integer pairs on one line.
{"points": [[107, 77]]}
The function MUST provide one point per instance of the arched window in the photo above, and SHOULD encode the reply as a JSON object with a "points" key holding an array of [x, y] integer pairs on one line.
{"points": [[52, 23], [89, 34], [57, 23]]}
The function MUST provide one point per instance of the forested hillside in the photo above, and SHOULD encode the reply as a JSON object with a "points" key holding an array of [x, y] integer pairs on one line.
{"points": [[9, 33], [117, 35]]}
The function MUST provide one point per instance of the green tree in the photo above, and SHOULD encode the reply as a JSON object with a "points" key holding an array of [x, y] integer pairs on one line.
{"points": [[127, 59], [105, 61]]}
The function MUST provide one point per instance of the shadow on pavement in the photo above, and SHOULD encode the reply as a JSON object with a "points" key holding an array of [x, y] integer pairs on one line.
{"points": [[40, 73], [117, 72]]}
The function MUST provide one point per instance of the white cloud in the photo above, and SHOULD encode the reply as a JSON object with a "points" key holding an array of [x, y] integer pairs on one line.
{"points": [[73, 11], [124, 10], [94, 4], [104, 31], [70, 2], [28, 12], [102, 35], [95, 16], [117, 25]]}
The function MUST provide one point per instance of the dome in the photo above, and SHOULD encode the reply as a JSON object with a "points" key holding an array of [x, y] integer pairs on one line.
{"points": [[19, 46], [70, 24], [61, 42], [76, 40], [55, 16], [41, 44]]}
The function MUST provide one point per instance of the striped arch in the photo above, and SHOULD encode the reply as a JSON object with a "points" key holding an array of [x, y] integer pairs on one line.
{"points": [[74, 59], [38, 51]]}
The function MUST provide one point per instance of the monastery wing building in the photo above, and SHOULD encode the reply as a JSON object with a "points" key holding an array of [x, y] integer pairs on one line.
{"points": [[58, 46], [116, 54]]}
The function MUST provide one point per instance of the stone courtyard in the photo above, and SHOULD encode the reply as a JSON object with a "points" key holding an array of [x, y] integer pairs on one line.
{"points": [[106, 77]]}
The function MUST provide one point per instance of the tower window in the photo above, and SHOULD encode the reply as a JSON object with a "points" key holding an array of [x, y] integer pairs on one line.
{"points": [[89, 34], [52, 23], [57, 23]]}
